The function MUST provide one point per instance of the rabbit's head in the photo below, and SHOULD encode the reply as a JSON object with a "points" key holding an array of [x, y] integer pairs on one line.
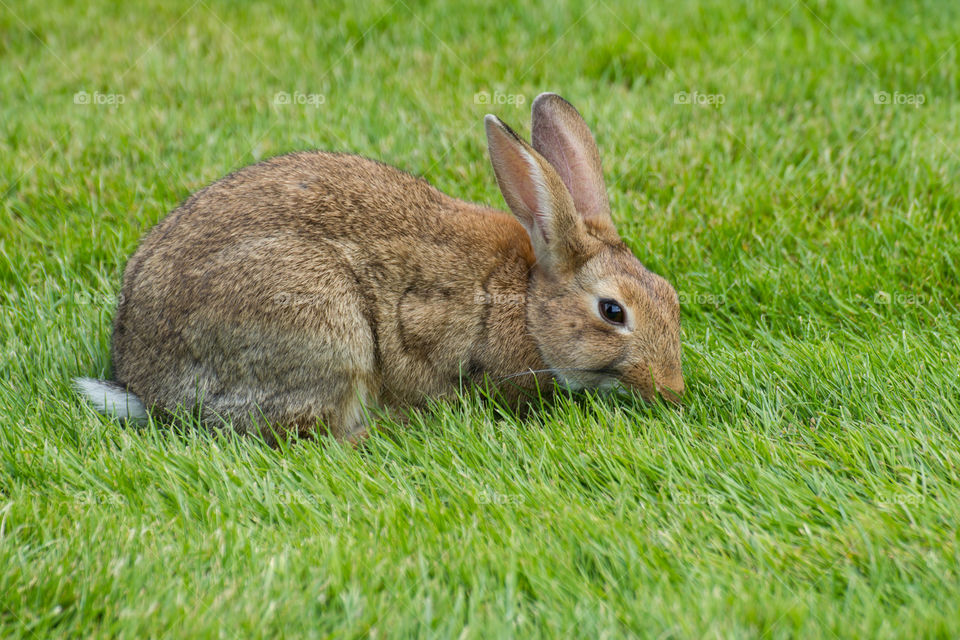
{"points": [[599, 317]]}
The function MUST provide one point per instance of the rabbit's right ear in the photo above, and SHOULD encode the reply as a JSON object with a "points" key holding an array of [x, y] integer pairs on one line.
{"points": [[564, 139], [537, 196]]}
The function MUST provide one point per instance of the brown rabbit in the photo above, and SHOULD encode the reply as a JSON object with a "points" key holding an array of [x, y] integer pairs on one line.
{"points": [[310, 287]]}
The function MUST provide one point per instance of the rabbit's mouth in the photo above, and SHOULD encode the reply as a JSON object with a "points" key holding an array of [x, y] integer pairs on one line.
{"points": [[626, 392], [612, 387], [573, 380], [580, 379]]}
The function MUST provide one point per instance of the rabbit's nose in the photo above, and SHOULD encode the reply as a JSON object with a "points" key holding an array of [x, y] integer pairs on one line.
{"points": [[671, 388]]}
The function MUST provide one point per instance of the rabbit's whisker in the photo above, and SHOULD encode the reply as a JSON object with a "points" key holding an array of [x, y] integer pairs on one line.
{"points": [[530, 372]]}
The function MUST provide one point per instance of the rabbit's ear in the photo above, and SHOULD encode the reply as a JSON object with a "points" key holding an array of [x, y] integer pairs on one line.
{"points": [[536, 195], [563, 138]]}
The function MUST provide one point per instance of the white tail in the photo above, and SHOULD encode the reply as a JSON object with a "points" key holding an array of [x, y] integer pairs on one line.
{"points": [[110, 399]]}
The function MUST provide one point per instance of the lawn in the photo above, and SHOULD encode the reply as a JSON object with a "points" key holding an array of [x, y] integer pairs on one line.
{"points": [[790, 166]]}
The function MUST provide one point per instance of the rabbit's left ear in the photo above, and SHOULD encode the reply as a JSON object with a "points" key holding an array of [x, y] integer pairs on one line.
{"points": [[537, 197], [562, 137]]}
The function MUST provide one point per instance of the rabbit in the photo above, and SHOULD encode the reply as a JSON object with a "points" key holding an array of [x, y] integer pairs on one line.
{"points": [[303, 291]]}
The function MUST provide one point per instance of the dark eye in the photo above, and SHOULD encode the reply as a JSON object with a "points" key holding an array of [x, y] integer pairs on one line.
{"points": [[612, 312]]}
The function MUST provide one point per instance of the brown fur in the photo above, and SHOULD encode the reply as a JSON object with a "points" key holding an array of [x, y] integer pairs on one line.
{"points": [[315, 285]]}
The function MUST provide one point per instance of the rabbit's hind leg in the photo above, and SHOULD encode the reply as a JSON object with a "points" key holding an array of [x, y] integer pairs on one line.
{"points": [[319, 381], [321, 388], [312, 369]]}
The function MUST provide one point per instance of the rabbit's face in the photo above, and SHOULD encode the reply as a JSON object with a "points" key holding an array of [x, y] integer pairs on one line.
{"points": [[610, 321], [599, 317]]}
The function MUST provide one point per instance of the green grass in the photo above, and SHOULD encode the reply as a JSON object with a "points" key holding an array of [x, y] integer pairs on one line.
{"points": [[808, 487]]}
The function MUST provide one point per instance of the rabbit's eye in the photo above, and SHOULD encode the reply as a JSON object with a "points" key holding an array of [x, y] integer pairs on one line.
{"points": [[612, 312]]}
